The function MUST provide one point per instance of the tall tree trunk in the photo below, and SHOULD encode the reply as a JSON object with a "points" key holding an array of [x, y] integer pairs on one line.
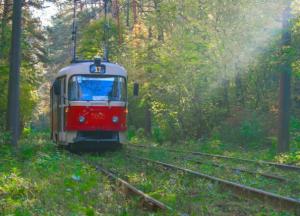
{"points": [[134, 11], [160, 36], [81, 5], [116, 15], [258, 97], [140, 7], [284, 91], [4, 22], [148, 119], [127, 12], [6, 9], [150, 33], [14, 74], [239, 89], [148, 114], [225, 84]]}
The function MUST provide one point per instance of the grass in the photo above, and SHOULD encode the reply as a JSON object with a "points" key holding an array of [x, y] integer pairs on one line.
{"points": [[254, 151], [183, 193], [291, 189], [44, 181]]}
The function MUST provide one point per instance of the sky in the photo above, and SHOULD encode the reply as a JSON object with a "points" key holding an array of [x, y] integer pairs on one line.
{"points": [[46, 14]]}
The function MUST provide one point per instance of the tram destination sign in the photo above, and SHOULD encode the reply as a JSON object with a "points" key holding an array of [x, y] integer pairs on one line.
{"points": [[97, 67]]}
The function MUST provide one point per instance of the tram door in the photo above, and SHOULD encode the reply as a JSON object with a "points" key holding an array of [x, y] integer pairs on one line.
{"points": [[58, 108], [61, 107]]}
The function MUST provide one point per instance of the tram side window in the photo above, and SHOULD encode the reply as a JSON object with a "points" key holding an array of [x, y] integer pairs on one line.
{"points": [[53, 99], [122, 87], [73, 89], [56, 87]]}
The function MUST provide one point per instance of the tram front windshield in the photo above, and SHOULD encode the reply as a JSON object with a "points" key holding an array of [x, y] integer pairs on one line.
{"points": [[97, 88]]}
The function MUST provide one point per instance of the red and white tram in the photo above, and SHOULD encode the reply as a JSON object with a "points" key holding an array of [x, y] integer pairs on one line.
{"points": [[89, 104]]}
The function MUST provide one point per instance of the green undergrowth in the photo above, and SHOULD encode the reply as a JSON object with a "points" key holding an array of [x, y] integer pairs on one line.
{"points": [[41, 180]]}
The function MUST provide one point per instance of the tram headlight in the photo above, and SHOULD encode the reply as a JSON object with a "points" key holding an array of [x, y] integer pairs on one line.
{"points": [[115, 119], [81, 119]]}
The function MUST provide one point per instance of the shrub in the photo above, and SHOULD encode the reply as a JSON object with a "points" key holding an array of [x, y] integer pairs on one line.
{"points": [[131, 133], [246, 127], [250, 130], [157, 135], [4, 138]]}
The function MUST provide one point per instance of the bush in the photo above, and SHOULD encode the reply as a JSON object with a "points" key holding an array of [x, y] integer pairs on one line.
{"points": [[157, 135], [251, 130], [246, 127], [295, 134], [131, 133], [4, 138]]}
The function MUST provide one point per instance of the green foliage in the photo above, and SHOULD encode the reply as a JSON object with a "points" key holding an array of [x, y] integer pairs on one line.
{"points": [[250, 130], [295, 134], [200, 65], [289, 158], [157, 135], [14, 190], [93, 37], [3, 93], [244, 128], [130, 133], [4, 138], [33, 55], [44, 181]]}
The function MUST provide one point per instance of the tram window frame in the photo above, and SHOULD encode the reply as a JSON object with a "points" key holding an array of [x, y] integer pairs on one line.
{"points": [[124, 95]]}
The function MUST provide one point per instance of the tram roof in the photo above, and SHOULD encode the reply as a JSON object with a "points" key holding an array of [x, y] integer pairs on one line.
{"points": [[84, 68]]}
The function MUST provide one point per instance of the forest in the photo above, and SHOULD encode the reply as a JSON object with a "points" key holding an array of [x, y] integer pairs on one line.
{"points": [[219, 77]]}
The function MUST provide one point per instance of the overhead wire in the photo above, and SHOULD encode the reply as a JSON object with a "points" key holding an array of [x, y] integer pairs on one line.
{"points": [[106, 27]]}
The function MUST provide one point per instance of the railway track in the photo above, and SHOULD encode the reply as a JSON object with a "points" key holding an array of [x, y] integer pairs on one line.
{"points": [[265, 175], [259, 162], [277, 201], [146, 200], [269, 176]]}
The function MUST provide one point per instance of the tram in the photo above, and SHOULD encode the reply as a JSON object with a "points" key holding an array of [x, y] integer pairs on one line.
{"points": [[89, 104]]}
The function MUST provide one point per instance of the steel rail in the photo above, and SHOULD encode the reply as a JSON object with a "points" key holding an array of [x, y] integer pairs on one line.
{"points": [[269, 176], [153, 203], [277, 201], [147, 200], [278, 165]]}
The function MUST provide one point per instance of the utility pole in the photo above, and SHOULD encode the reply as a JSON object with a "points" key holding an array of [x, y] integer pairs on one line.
{"points": [[106, 32], [74, 31], [285, 86], [14, 75]]}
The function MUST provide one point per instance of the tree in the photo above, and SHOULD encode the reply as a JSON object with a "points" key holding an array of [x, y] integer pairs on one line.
{"points": [[204, 66], [14, 75], [285, 86]]}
